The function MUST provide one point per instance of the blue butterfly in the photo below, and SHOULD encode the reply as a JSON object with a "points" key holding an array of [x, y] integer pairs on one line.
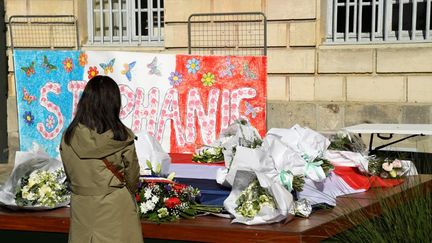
{"points": [[47, 65], [153, 66], [228, 72], [127, 70], [252, 110], [248, 73], [108, 67]]}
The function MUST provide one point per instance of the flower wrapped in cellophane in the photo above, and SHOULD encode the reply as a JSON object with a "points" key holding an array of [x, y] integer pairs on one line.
{"points": [[252, 199], [162, 199], [209, 154], [239, 134], [390, 168], [42, 188], [37, 182]]}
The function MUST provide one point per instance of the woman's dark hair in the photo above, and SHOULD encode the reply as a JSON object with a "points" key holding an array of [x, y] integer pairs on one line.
{"points": [[99, 109]]}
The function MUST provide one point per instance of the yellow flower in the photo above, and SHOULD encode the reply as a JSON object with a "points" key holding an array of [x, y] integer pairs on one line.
{"points": [[208, 79]]}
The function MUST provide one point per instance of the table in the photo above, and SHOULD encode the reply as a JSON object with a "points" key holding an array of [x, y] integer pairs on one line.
{"points": [[411, 130], [319, 225]]}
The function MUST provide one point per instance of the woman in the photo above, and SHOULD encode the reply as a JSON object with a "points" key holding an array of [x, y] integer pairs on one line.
{"points": [[100, 161]]}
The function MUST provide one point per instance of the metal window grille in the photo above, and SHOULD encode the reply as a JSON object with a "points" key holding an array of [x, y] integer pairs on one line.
{"points": [[133, 22], [227, 34], [378, 21], [39, 31]]}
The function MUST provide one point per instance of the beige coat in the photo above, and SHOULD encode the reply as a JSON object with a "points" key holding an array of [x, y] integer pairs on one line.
{"points": [[102, 208]]}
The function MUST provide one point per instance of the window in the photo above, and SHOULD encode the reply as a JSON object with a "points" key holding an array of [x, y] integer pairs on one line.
{"points": [[134, 22], [375, 21]]}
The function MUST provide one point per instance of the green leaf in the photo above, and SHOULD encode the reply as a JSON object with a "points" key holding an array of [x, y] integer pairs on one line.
{"points": [[171, 176], [158, 169], [149, 165]]}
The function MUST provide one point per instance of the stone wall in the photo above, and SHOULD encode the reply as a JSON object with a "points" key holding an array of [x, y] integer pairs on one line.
{"points": [[325, 87]]}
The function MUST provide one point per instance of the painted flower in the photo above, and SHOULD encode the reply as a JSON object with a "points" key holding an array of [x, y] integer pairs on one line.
{"points": [[387, 166], [49, 122], [82, 59], [175, 78], [28, 118], [193, 65], [68, 65], [172, 202], [208, 79], [92, 72]]}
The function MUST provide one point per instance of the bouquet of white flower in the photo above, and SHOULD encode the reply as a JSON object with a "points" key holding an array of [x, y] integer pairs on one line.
{"points": [[42, 188], [37, 182], [252, 199]]}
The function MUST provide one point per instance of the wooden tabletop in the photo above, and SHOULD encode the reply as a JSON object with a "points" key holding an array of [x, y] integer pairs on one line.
{"points": [[321, 224]]}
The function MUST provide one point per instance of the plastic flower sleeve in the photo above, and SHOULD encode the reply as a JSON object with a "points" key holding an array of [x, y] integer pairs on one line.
{"points": [[266, 215], [25, 163], [148, 148], [302, 140]]}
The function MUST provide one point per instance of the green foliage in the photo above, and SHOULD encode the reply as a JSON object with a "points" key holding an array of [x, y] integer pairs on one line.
{"points": [[298, 183], [405, 217], [209, 155], [252, 199]]}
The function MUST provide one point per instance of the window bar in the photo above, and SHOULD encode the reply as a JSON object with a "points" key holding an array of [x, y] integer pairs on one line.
{"points": [[121, 20], [159, 21], [387, 18], [149, 19], [414, 19], [400, 19], [373, 20], [90, 19], [129, 26], [101, 21], [347, 8], [139, 20], [360, 12], [428, 14], [355, 17], [334, 19], [110, 21]]}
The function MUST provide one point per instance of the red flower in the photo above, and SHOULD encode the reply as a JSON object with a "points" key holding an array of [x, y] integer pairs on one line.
{"points": [[179, 187], [137, 197], [172, 202], [68, 65], [92, 72]]}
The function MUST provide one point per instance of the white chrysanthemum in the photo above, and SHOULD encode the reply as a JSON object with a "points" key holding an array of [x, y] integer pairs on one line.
{"points": [[150, 205], [143, 208], [154, 199], [147, 193]]}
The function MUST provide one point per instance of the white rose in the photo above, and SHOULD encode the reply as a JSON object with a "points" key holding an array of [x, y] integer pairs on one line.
{"points": [[387, 166], [397, 163], [44, 190]]}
